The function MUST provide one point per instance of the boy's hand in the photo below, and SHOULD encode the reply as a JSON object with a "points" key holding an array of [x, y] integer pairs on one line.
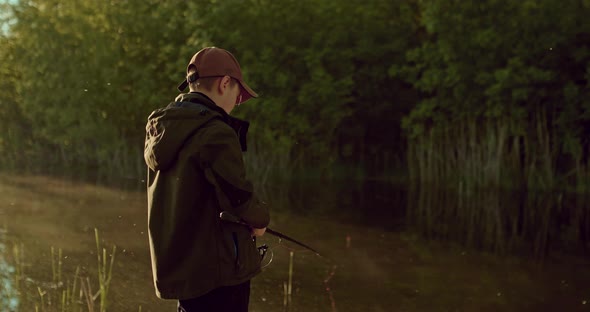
{"points": [[258, 232]]}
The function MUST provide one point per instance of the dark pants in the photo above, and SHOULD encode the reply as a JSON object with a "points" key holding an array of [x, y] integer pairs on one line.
{"points": [[222, 299]]}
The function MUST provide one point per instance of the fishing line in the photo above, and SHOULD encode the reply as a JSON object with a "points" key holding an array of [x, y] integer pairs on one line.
{"points": [[329, 289], [280, 244], [272, 255], [326, 280]]}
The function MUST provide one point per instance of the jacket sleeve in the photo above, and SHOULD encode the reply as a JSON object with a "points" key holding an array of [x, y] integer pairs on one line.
{"points": [[221, 159]]}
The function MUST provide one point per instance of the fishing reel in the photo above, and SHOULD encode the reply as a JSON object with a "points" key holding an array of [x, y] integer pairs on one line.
{"points": [[262, 250]]}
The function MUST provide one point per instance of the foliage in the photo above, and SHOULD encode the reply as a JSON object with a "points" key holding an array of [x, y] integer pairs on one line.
{"points": [[321, 67], [85, 75], [78, 79], [94, 70], [507, 62], [506, 59]]}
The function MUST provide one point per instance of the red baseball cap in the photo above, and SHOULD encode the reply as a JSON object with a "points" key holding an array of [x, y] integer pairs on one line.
{"points": [[217, 62]]}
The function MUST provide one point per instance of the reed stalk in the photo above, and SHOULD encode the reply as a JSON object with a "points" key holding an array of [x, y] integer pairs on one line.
{"points": [[290, 285], [285, 296], [42, 296], [104, 273], [86, 290], [18, 254], [73, 292], [63, 300], [56, 264], [53, 266], [68, 291], [59, 265], [492, 152]]}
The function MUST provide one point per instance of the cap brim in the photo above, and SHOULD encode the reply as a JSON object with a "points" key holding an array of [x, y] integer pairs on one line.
{"points": [[246, 92]]}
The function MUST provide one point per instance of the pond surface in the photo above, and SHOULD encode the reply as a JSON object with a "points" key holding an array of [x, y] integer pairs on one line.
{"points": [[394, 248]]}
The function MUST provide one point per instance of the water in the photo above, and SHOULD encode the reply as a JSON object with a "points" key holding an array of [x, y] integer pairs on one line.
{"points": [[395, 248], [9, 298]]}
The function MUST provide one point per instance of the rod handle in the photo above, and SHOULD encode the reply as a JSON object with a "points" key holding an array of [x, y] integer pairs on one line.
{"points": [[226, 216]]}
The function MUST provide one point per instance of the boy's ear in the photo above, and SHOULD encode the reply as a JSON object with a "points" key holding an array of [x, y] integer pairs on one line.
{"points": [[223, 84]]}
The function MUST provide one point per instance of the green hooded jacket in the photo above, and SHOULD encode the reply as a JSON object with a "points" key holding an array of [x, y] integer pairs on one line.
{"points": [[195, 171]]}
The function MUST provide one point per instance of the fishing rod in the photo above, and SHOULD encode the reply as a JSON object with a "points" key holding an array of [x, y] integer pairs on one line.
{"points": [[226, 216]]}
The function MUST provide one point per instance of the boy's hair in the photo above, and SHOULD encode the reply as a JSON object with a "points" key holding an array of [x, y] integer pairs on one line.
{"points": [[207, 83]]}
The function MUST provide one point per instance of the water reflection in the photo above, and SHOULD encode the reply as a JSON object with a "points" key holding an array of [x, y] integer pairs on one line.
{"points": [[8, 293], [536, 223], [501, 221]]}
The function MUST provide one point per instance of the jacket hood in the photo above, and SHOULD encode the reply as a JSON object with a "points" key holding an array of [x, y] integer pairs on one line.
{"points": [[168, 129]]}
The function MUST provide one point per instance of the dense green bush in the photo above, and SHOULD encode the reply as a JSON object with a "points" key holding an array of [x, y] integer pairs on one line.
{"points": [[506, 93]]}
